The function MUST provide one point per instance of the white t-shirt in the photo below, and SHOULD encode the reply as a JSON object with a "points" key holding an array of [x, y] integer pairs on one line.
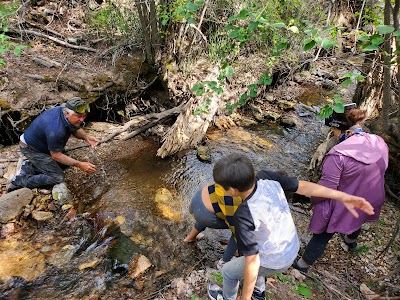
{"points": [[264, 225]]}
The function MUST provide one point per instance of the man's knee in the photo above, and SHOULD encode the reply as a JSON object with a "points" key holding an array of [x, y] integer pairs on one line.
{"points": [[57, 178]]}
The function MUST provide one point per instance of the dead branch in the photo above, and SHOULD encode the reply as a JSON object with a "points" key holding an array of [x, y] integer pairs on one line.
{"points": [[47, 62], [141, 122], [40, 77], [6, 160], [56, 40], [44, 28]]}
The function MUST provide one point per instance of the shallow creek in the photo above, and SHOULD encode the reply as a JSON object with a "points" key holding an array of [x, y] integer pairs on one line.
{"points": [[158, 232]]}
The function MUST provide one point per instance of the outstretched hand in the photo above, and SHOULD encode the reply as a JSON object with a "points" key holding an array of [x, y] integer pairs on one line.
{"points": [[352, 202], [92, 141], [87, 167]]}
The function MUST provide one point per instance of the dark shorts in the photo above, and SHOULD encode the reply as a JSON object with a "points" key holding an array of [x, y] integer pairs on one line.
{"points": [[204, 218]]}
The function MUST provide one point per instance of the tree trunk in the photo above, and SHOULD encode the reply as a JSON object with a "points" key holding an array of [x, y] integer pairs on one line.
{"points": [[386, 71], [397, 39]]}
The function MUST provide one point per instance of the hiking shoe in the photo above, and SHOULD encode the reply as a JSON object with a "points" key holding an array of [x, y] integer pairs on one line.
{"points": [[297, 267], [214, 292], [351, 247], [12, 187], [258, 295]]}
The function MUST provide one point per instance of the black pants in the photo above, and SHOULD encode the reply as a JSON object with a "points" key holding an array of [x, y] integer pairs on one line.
{"points": [[316, 246]]}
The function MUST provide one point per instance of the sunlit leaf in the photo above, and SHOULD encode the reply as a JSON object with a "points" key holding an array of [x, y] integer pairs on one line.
{"points": [[311, 31], [192, 7], [233, 34], [346, 82], [308, 45], [253, 25], [294, 29], [384, 29], [376, 39], [279, 25], [303, 290], [191, 20], [328, 43], [243, 14], [371, 47], [363, 38]]}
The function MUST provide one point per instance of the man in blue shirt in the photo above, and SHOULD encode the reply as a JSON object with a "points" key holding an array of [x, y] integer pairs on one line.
{"points": [[43, 143]]}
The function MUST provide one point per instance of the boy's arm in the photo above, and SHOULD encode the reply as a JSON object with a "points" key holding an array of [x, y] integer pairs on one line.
{"points": [[251, 267], [350, 202]]}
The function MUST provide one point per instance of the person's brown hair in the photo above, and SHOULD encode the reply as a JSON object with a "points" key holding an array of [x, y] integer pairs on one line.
{"points": [[355, 116], [351, 117]]}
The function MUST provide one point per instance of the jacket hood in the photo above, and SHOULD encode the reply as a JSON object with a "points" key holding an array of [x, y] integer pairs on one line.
{"points": [[363, 147]]}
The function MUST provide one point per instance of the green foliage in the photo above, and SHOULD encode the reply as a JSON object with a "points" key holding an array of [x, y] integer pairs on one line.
{"points": [[206, 88], [6, 12], [334, 105], [350, 77], [218, 278], [252, 90], [360, 250], [112, 21], [179, 11], [283, 278], [303, 290]]}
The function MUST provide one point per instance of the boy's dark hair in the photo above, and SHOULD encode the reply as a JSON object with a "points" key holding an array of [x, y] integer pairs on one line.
{"points": [[236, 171]]}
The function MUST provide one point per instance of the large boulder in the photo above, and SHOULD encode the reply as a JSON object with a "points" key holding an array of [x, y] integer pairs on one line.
{"points": [[11, 204]]}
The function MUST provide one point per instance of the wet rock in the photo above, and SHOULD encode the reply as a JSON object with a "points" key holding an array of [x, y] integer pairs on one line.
{"points": [[246, 122], [271, 115], [139, 266], [287, 122], [11, 204], [39, 215], [7, 230], [61, 193], [168, 205], [204, 153], [92, 264], [124, 250], [296, 274], [62, 257], [67, 206], [285, 104], [20, 259], [270, 98]]}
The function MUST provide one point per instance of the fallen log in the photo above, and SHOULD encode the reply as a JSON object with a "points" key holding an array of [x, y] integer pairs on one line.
{"points": [[140, 123]]}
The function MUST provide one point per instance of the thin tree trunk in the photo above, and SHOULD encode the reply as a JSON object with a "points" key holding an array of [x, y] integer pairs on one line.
{"points": [[397, 39], [145, 24], [386, 70], [155, 40]]}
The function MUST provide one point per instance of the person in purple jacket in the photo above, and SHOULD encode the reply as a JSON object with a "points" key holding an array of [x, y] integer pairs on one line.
{"points": [[356, 165]]}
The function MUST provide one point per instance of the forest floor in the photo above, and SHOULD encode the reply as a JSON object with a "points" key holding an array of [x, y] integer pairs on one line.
{"points": [[337, 275]]}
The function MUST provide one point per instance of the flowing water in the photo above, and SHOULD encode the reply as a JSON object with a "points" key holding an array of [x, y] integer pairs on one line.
{"points": [[153, 230]]}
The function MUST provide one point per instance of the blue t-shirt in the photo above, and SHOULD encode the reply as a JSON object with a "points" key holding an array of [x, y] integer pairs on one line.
{"points": [[50, 131]]}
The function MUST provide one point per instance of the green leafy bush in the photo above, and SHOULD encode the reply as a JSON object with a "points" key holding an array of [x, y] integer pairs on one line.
{"points": [[6, 12]]}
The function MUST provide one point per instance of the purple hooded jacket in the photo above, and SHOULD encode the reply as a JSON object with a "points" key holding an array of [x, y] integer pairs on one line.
{"points": [[356, 166]]}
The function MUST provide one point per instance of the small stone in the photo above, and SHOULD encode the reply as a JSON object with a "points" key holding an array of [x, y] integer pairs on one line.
{"points": [[42, 215], [138, 266], [7, 230]]}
